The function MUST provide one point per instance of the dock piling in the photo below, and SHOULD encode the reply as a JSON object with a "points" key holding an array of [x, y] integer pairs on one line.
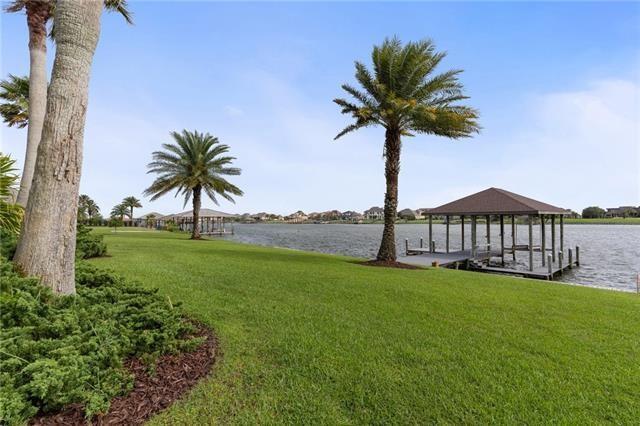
{"points": [[549, 265], [421, 242], [430, 231], [513, 237], [553, 237], [577, 256], [543, 238], [448, 219], [406, 246], [570, 263], [531, 243], [560, 255]]}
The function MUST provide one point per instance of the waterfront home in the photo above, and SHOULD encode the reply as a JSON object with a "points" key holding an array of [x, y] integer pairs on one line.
{"points": [[262, 216], [572, 214], [421, 213], [148, 220], [352, 216], [332, 215], [297, 217], [623, 211], [374, 213]]}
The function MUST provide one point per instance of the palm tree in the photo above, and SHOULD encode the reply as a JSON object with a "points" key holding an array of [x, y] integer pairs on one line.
{"points": [[47, 244], [150, 219], [87, 206], [14, 91], [131, 202], [92, 209], [10, 213], [120, 211], [39, 12], [404, 96], [197, 162]]}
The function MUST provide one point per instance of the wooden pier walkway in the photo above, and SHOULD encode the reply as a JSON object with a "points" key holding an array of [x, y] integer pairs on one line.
{"points": [[422, 257], [463, 259]]}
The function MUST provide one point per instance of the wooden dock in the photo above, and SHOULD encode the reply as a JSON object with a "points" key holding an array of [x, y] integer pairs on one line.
{"points": [[218, 232], [422, 257], [464, 259]]}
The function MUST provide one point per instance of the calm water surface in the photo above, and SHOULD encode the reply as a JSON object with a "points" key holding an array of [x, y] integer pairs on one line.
{"points": [[609, 254]]}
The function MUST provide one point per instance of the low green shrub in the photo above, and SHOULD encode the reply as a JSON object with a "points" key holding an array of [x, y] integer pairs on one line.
{"points": [[89, 245], [171, 226], [57, 350], [8, 243]]}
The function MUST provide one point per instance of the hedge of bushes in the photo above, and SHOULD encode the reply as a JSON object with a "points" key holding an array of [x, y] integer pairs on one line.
{"points": [[88, 245], [57, 350]]}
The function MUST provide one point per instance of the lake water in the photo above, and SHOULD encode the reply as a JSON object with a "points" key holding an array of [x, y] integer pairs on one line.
{"points": [[609, 254]]}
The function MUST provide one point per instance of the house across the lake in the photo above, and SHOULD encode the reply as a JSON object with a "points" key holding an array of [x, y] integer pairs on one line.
{"points": [[374, 213], [623, 211], [146, 220], [297, 217]]}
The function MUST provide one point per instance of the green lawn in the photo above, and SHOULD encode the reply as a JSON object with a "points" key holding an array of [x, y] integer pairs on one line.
{"points": [[606, 221], [310, 338]]}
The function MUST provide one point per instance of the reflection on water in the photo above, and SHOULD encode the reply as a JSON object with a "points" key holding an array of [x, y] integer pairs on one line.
{"points": [[609, 254]]}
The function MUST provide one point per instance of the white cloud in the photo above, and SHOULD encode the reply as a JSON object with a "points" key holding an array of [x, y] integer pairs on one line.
{"points": [[579, 148]]}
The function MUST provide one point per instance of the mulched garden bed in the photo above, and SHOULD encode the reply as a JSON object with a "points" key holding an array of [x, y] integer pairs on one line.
{"points": [[174, 376], [389, 264]]}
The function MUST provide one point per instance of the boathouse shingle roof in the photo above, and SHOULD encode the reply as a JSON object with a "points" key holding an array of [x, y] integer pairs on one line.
{"points": [[204, 213], [496, 201]]}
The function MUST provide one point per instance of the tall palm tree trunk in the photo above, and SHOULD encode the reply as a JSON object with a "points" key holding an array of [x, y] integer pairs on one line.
{"points": [[387, 251], [197, 194], [37, 17], [48, 240]]}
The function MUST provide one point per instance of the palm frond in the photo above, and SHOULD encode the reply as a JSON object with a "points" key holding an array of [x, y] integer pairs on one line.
{"points": [[14, 91], [121, 7]]}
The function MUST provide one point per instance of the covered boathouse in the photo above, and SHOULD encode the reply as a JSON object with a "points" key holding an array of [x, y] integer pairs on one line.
{"points": [[211, 222], [496, 204]]}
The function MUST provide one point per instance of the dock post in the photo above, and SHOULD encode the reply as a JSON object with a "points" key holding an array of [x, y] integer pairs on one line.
{"points": [[562, 233], [488, 219], [513, 237], [553, 237], [549, 265], [570, 263], [406, 246], [473, 236], [448, 218], [502, 239], [433, 246], [421, 242], [560, 261], [577, 256], [531, 242], [462, 230], [430, 232], [543, 238]]}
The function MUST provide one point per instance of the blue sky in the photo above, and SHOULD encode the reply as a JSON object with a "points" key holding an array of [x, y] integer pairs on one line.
{"points": [[557, 86]]}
